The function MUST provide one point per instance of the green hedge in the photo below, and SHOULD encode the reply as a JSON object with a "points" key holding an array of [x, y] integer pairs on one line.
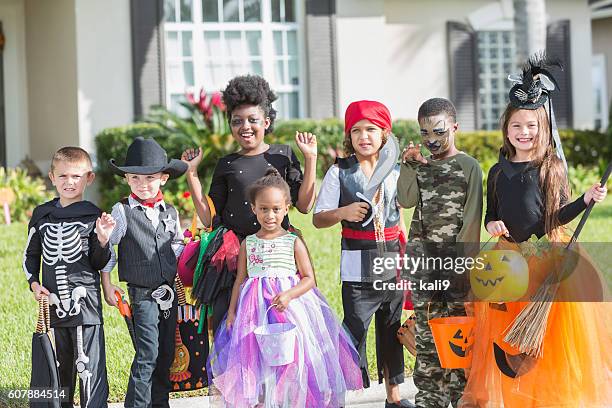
{"points": [[588, 151]]}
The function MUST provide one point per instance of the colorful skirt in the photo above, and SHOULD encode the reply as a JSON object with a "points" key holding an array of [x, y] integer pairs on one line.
{"points": [[325, 363]]}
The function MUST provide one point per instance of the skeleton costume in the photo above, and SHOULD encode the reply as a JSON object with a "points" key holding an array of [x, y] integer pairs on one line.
{"points": [[64, 239]]}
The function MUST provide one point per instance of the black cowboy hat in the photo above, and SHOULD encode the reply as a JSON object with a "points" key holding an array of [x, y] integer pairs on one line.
{"points": [[146, 156]]}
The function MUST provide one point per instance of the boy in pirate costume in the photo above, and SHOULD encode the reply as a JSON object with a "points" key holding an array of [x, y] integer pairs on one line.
{"points": [[148, 239], [446, 189], [365, 292], [71, 236]]}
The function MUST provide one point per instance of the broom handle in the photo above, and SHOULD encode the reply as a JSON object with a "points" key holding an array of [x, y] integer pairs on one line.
{"points": [[603, 182]]}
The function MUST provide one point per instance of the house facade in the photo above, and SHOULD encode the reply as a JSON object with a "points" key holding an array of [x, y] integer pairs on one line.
{"points": [[71, 68]]}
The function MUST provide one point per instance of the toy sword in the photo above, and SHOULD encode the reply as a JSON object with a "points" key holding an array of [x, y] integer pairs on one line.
{"points": [[387, 159]]}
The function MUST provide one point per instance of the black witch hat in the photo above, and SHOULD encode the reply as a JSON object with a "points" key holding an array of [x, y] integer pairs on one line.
{"points": [[533, 88], [146, 156]]}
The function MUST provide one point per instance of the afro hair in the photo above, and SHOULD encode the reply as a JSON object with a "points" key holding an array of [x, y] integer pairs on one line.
{"points": [[250, 90], [436, 106]]}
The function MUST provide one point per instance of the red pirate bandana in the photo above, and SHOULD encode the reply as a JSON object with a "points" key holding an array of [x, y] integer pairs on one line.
{"points": [[375, 112]]}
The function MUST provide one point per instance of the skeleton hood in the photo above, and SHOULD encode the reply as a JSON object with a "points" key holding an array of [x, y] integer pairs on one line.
{"points": [[52, 208]]}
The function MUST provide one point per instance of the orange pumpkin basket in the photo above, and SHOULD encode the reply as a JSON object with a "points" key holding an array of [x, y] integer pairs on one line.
{"points": [[454, 337]]}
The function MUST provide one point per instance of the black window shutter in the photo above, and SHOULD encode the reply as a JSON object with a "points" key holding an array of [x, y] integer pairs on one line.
{"points": [[320, 41], [558, 45], [147, 55], [463, 73]]}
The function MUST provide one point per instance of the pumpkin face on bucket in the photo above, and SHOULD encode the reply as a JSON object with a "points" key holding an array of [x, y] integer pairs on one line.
{"points": [[461, 343], [502, 276]]}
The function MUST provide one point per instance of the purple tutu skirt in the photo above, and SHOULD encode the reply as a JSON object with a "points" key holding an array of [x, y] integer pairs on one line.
{"points": [[325, 363]]}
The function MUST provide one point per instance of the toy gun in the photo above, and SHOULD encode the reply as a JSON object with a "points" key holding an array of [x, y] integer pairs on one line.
{"points": [[126, 312]]}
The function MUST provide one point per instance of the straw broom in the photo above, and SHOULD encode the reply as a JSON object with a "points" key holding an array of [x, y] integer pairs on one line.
{"points": [[529, 328]]}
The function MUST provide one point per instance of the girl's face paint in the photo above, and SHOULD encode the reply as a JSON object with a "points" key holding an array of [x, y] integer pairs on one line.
{"points": [[249, 124], [437, 133], [366, 138]]}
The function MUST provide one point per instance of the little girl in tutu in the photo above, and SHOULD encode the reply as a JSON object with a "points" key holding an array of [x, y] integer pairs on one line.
{"points": [[325, 363]]}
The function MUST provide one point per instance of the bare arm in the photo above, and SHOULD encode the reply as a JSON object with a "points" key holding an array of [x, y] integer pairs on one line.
{"points": [[241, 275], [306, 195], [306, 283], [193, 158]]}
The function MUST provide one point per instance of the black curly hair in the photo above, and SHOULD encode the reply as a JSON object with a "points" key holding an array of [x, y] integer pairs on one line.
{"points": [[272, 178], [436, 106], [250, 90]]}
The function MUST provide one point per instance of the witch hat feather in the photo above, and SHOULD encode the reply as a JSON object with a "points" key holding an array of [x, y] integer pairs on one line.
{"points": [[146, 156]]}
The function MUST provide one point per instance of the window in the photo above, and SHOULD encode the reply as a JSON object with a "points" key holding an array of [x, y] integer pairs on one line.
{"points": [[496, 51], [600, 92], [210, 41]]}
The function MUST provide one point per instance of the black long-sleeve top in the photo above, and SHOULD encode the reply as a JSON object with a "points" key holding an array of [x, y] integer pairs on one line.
{"points": [[515, 197], [62, 242]]}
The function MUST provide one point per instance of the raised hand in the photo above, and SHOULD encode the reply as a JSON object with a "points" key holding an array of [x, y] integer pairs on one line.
{"points": [[105, 225], [413, 153], [193, 158], [307, 143]]}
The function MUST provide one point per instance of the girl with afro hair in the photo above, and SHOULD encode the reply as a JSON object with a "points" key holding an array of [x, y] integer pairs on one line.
{"points": [[248, 100]]}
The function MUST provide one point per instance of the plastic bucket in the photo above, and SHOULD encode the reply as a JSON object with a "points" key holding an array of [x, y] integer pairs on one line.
{"points": [[454, 337], [276, 342]]}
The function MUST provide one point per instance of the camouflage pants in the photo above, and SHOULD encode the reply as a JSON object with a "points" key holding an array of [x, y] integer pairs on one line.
{"points": [[437, 387]]}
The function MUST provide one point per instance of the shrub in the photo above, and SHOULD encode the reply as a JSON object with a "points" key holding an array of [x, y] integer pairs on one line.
{"points": [[29, 192]]}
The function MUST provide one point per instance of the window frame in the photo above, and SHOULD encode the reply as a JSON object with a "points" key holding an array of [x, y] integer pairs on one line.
{"points": [[268, 58]]}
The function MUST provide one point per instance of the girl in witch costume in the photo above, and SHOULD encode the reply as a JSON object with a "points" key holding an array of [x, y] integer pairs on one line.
{"points": [[275, 284], [528, 194], [248, 100], [71, 238], [148, 238], [367, 128]]}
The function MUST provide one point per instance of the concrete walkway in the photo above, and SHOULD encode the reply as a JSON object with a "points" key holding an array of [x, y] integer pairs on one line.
{"points": [[373, 397]]}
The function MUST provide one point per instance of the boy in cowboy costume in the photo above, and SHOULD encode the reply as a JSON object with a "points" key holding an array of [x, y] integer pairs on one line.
{"points": [[148, 235]]}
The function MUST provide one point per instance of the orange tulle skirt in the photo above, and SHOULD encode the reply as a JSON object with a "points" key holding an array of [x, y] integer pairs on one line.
{"points": [[575, 369]]}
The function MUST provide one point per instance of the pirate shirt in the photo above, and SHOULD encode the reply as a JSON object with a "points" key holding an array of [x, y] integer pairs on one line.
{"points": [[163, 219], [234, 174], [338, 189], [62, 240], [514, 196]]}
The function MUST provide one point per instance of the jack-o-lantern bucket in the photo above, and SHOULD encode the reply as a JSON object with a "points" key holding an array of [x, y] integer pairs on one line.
{"points": [[454, 337]]}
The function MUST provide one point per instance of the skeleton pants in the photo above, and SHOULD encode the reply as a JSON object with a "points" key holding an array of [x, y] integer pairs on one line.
{"points": [[67, 354]]}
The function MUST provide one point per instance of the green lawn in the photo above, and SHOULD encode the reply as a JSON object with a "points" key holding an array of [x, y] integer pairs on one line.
{"points": [[18, 308]]}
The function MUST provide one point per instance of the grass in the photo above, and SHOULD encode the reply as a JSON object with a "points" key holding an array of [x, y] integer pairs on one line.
{"points": [[18, 308]]}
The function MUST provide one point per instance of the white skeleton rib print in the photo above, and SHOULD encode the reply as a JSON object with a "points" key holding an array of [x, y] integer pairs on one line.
{"points": [[62, 245]]}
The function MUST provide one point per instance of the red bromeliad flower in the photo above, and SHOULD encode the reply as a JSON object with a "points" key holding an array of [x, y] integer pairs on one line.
{"points": [[205, 104], [186, 194]]}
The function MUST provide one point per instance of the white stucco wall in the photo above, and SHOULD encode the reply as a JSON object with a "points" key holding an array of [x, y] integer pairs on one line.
{"points": [[104, 67], [396, 51], [579, 15], [12, 15], [51, 76]]}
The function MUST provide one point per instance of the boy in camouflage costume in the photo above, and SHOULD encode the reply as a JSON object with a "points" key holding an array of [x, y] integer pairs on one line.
{"points": [[446, 189]]}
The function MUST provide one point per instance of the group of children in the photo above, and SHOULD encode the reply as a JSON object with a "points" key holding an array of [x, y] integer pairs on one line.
{"points": [[269, 276]]}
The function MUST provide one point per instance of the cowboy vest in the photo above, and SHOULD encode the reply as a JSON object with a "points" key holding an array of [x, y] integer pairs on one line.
{"points": [[352, 180], [145, 254]]}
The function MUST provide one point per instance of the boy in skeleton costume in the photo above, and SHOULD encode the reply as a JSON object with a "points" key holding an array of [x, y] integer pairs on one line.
{"points": [[446, 189], [71, 236], [148, 237]]}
